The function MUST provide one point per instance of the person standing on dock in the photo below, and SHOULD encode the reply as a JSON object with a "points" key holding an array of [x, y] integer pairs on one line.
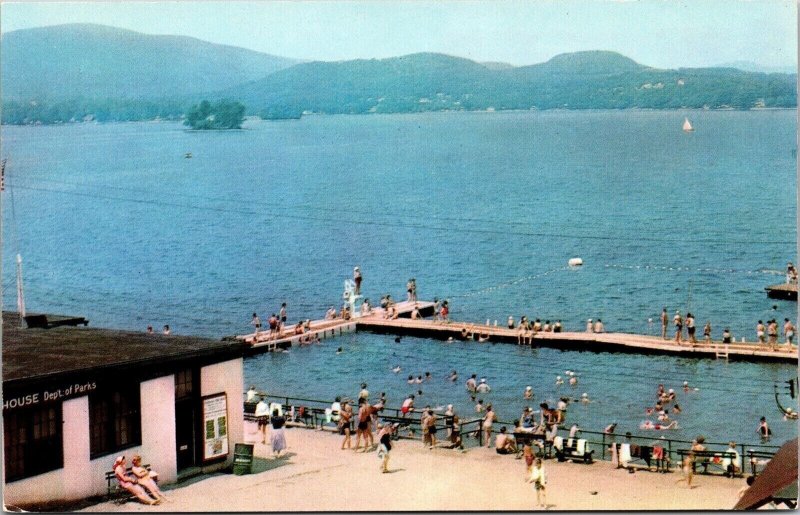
{"points": [[690, 328], [273, 326], [599, 327], [677, 320], [436, 307], [589, 326], [445, 312], [727, 337], [788, 330], [256, 322], [357, 278], [664, 321], [282, 314], [707, 331], [761, 332], [772, 333]]}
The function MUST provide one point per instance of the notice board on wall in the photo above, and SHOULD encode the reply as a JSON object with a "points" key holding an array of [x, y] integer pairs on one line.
{"points": [[215, 426]]}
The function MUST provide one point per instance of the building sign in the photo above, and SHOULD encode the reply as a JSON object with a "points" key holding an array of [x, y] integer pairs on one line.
{"points": [[54, 393], [215, 426]]}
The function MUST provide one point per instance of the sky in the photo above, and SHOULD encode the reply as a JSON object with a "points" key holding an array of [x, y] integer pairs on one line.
{"points": [[659, 33]]}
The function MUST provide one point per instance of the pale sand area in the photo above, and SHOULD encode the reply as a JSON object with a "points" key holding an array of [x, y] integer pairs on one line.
{"points": [[319, 476]]}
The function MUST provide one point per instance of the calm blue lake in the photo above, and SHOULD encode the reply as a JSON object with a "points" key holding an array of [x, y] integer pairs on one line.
{"points": [[482, 208]]}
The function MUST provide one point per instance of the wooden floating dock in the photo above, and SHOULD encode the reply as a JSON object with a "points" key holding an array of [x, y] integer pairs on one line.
{"points": [[783, 291], [579, 341], [324, 329], [582, 341]]}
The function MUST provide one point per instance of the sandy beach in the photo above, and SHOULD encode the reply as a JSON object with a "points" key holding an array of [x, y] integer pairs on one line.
{"points": [[317, 475]]}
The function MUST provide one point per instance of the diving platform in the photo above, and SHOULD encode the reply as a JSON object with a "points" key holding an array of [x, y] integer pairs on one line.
{"points": [[785, 291]]}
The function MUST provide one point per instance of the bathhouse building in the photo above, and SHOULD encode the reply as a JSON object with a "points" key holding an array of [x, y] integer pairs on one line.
{"points": [[74, 398]]}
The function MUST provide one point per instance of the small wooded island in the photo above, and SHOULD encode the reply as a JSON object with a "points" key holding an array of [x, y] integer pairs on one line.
{"points": [[225, 114]]}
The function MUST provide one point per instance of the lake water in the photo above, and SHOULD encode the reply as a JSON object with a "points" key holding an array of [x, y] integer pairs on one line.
{"points": [[482, 208]]}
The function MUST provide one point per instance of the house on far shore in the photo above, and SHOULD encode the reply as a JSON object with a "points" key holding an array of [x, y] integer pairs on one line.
{"points": [[76, 398]]}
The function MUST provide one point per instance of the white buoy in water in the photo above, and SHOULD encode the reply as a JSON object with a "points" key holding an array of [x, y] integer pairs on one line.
{"points": [[576, 261]]}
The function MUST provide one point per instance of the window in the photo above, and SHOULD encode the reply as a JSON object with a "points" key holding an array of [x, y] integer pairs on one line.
{"points": [[184, 384], [115, 421], [33, 441]]}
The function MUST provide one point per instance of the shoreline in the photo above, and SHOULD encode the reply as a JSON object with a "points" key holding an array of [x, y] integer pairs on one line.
{"points": [[412, 113], [316, 475]]}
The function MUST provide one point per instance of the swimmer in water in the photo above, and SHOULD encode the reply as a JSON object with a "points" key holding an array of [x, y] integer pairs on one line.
{"points": [[573, 381], [479, 406], [528, 393], [559, 380], [585, 398], [649, 425], [410, 380], [418, 380], [453, 376], [396, 369]]}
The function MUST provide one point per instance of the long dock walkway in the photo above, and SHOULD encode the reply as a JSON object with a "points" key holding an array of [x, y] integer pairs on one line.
{"points": [[581, 341]]}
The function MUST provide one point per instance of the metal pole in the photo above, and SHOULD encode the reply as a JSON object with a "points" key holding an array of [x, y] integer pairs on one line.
{"points": [[669, 447], [604, 446]]}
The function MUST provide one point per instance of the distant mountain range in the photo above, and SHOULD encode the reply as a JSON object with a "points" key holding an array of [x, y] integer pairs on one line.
{"points": [[750, 66], [99, 62], [74, 72]]}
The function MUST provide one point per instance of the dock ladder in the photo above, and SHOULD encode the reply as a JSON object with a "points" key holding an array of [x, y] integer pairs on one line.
{"points": [[721, 351]]}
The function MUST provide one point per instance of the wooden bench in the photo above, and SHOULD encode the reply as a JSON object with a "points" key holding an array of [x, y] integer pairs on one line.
{"points": [[570, 452], [757, 458], [524, 437], [647, 455], [709, 459], [113, 485]]}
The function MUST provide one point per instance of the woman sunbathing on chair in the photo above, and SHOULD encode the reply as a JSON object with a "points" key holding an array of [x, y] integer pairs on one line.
{"points": [[131, 483], [147, 478]]}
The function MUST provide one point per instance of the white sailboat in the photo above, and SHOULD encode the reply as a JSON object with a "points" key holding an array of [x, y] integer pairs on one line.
{"points": [[687, 125]]}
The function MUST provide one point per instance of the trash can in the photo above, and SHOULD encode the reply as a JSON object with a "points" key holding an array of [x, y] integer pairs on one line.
{"points": [[243, 458]]}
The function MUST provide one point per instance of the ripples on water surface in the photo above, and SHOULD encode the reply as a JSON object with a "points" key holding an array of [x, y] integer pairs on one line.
{"points": [[115, 224]]}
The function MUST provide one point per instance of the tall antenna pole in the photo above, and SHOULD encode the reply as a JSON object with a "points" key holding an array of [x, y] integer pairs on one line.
{"points": [[20, 291], [20, 288]]}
